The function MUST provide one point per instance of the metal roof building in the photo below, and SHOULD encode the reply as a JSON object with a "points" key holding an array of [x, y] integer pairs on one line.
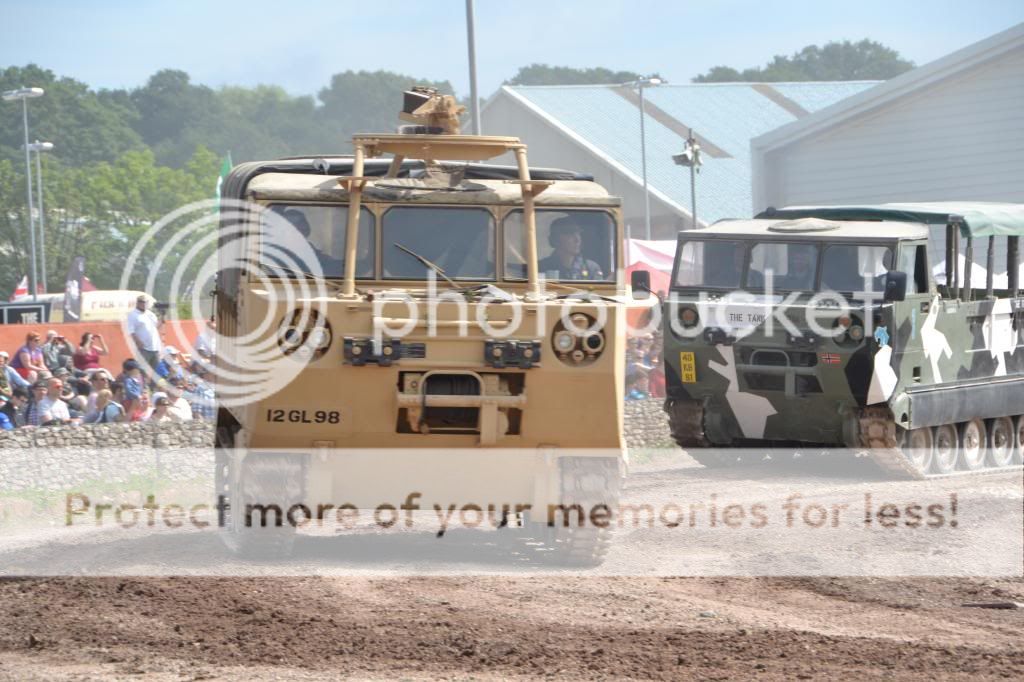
{"points": [[596, 129], [949, 130]]}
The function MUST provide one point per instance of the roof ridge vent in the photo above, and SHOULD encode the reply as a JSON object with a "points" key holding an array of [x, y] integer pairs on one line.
{"points": [[804, 225]]}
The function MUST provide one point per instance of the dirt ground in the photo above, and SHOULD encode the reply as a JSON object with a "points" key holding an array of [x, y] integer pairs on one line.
{"points": [[515, 626], [499, 628]]}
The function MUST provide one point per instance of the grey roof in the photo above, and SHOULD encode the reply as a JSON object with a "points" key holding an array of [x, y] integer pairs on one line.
{"points": [[813, 229], [725, 116]]}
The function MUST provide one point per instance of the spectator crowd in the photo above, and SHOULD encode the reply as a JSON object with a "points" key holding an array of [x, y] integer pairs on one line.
{"points": [[645, 372], [53, 382]]}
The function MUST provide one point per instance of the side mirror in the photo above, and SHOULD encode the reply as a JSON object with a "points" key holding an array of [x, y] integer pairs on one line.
{"points": [[895, 286], [640, 282]]}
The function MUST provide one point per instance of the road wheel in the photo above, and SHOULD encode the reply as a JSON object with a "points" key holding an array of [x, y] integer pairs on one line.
{"points": [[1018, 450], [972, 445], [918, 447], [945, 449], [587, 483], [260, 490], [1001, 442]]}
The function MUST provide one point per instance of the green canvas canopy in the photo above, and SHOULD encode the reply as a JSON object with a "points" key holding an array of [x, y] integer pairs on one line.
{"points": [[976, 219]]}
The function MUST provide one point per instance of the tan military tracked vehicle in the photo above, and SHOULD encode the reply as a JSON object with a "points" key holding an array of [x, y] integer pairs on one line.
{"points": [[466, 341]]}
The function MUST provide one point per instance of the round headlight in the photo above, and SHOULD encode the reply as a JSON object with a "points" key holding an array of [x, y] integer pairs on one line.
{"points": [[855, 332], [564, 342], [689, 317], [593, 343]]}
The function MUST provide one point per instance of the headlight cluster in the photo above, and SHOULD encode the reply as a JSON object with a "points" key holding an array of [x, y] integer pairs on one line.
{"points": [[578, 343], [305, 333], [848, 329]]}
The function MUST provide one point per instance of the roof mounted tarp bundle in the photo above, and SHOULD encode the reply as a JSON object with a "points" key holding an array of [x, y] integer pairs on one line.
{"points": [[976, 219]]}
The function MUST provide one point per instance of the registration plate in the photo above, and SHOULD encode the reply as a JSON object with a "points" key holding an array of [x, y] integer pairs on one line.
{"points": [[687, 367]]}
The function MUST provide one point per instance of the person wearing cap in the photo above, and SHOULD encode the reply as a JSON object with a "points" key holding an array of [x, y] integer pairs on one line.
{"points": [[89, 351], [161, 409], [169, 368], [57, 351], [14, 407], [144, 330], [180, 409], [566, 262], [134, 387]]}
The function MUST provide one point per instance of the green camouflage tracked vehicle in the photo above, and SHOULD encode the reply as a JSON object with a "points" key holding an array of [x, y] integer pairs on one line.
{"points": [[831, 326]]}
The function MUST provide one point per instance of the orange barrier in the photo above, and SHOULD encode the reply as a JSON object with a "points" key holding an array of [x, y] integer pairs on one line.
{"points": [[179, 333]]}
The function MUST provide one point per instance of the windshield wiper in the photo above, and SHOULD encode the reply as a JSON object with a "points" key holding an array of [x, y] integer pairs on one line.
{"points": [[433, 266]]}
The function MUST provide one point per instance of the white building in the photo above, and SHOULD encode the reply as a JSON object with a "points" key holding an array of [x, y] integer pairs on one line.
{"points": [[949, 130]]}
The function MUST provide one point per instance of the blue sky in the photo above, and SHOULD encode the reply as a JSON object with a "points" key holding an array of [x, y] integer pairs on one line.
{"points": [[299, 44]]}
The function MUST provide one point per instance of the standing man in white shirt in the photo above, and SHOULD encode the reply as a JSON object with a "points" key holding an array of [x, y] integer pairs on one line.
{"points": [[144, 328]]}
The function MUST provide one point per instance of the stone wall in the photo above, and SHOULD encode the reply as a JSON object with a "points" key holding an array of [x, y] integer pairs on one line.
{"points": [[56, 458], [646, 424]]}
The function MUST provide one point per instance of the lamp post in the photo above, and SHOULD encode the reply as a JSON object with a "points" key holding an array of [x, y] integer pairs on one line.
{"points": [[690, 157], [25, 94], [40, 147], [474, 104], [640, 84]]}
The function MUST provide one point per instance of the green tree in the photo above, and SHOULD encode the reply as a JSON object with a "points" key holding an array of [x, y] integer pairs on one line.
{"points": [[364, 102], [834, 61], [542, 74], [84, 125]]}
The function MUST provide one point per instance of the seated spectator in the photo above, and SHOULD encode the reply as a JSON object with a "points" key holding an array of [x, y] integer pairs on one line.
{"points": [[107, 409], [179, 407], [636, 384], [5, 422], [206, 341], [169, 367], [28, 360], [142, 409], [161, 409], [99, 381], [14, 406], [134, 387], [57, 352], [5, 382], [89, 351], [54, 409], [34, 415], [199, 393], [14, 379], [656, 377]]}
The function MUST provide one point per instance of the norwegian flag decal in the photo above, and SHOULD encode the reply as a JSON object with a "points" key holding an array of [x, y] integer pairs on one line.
{"points": [[829, 358]]}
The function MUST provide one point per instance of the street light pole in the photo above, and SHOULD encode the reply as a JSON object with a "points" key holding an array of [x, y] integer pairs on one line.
{"points": [[474, 105], [640, 84], [24, 94], [691, 158], [40, 147]]}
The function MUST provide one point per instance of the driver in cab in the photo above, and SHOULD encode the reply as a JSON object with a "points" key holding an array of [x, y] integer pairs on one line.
{"points": [[566, 262]]}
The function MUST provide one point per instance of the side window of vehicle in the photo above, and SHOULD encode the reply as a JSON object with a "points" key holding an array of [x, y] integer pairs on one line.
{"points": [[914, 262]]}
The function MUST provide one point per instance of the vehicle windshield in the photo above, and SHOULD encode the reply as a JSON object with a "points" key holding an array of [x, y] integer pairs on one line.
{"points": [[716, 263], [311, 239], [853, 268], [788, 266], [460, 241], [572, 245]]}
